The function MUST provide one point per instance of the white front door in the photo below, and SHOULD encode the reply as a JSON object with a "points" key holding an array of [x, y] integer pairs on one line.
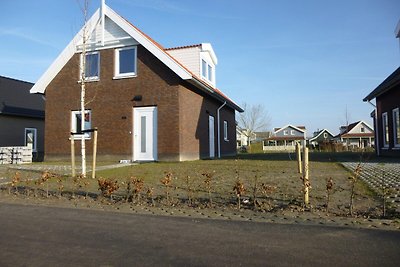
{"points": [[211, 136], [145, 134]]}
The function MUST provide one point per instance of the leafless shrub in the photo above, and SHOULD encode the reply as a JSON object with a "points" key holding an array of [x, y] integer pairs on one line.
{"points": [[208, 178], [134, 187], [353, 180], [329, 190], [107, 187], [239, 190], [60, 186], [266, 190], [14, 182], [150, 195], [189, 189], [167, 181], [44, 181]]}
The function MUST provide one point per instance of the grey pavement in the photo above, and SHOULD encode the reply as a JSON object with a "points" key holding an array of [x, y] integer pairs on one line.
{"points": [[379, 177], [48, 236]]}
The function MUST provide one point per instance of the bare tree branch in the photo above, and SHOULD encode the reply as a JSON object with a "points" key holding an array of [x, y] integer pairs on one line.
{"points": [[254, 119]]}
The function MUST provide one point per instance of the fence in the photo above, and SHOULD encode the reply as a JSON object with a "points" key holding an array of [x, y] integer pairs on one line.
{"points": [[15, 155]]}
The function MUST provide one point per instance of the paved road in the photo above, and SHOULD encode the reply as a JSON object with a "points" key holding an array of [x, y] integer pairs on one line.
{"points": [[48, 236]]}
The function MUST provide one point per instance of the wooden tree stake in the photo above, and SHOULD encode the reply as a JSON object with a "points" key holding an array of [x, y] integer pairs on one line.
{"points": [[305, 177], [298, 154], [94, 153]]}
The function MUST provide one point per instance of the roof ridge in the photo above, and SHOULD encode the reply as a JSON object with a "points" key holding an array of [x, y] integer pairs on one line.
{"points": [[182, 47]]}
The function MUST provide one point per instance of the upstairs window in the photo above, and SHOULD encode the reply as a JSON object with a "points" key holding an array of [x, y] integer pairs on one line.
{"points": [[92, 66], [396, 127], [76, 120], [285, 132], [362, 129], [125, 62], [292, 132], [207, 71], [385, 129]]}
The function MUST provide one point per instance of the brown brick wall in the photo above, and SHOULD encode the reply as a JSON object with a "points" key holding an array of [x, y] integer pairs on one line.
{"points": [[195, 110], [112, 111], [112, 108], [386, 103]]}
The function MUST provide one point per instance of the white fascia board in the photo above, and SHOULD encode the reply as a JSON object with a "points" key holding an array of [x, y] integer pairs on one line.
{"points": [[208, 48], [289, 125], [64, 57], [148, 44]]}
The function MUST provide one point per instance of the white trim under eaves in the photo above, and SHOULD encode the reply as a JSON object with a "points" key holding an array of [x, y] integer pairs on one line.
{"points": [[64, 57], [294, 127]]}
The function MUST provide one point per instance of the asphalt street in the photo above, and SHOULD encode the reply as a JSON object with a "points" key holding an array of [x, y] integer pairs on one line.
{"points": [[49, 236]]}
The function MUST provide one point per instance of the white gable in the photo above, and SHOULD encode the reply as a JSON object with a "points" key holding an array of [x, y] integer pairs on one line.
{"points": [[114, 36], [357, 129]]}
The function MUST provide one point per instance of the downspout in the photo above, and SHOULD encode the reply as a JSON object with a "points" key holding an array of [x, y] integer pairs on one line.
{"points": [[219, 130], [377, 148]]}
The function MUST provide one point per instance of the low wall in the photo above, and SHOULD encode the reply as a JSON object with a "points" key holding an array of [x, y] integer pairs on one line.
{"points": [[15, 155]]}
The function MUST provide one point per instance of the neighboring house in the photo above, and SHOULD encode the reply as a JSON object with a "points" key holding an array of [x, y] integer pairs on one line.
{"points": [[243, 140], [387, 112], [387, 115], [285, 138], [148, 103], [320, 137], [21, 116], [357, 135]]}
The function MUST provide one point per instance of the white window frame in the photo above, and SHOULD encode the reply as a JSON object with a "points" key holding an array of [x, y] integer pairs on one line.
{"points": [[362, 130], [292, 132], [117, 74], [208, 72], [396, 135], [325, 135], [73, 124], [385, 130], [92, 78], [226, 131], [34, 130], [285, 132]]}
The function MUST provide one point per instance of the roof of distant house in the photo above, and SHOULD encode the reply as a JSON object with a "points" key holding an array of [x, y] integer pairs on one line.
{"points": [[15, 99]]}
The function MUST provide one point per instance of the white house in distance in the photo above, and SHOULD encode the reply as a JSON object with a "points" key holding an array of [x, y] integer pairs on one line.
{"points": [[356, 135], [285, 138]]}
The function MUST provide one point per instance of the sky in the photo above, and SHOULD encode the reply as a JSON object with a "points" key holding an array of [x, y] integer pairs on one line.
{"points": [[307, 62]]}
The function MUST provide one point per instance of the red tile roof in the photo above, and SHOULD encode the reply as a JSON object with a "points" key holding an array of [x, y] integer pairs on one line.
{"points": [[182, 47]]}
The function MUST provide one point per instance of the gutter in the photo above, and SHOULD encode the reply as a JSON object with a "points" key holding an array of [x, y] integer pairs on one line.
{"points": [[219, 129], [377, 148]]}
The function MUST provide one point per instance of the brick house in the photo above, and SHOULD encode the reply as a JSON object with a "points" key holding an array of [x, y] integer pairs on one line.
{"points": [[387, 115], [387, 112], [148, 103], [21, 116]]}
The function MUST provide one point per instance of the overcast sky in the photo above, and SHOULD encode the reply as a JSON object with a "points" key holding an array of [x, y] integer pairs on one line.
{"points": [[305, 61]]}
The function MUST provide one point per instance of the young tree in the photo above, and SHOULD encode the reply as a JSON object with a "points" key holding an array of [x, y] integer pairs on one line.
{"points": [[254, 118]]}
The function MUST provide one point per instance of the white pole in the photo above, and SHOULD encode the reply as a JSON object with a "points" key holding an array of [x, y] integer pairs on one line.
{"points": [[102, 9]]}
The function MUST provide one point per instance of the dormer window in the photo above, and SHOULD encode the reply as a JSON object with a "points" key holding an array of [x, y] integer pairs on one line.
{"points": [[206, 71]]}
